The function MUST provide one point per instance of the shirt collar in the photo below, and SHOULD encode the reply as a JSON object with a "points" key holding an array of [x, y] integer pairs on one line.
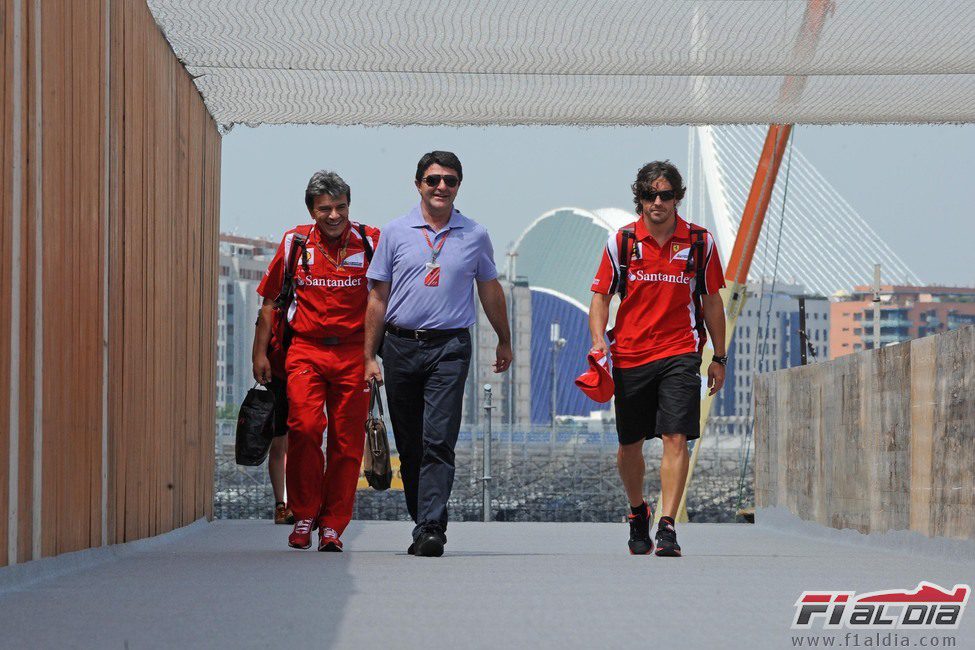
{"points": [[316, 235], [681, 231], [415, 219]]}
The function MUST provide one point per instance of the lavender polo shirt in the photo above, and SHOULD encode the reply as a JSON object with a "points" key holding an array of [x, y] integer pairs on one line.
{"points": [[401, 258]]}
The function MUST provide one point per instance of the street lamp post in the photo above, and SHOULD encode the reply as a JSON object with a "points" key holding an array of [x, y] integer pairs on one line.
{"points": [[876, 306], [486, 479], [557, 344]]}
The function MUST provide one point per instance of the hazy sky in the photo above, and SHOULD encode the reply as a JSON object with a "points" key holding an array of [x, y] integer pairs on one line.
{"points": [[913, 184]]}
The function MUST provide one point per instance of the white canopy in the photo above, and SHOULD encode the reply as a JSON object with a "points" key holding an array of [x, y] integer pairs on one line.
{"points": [[577, 61]]}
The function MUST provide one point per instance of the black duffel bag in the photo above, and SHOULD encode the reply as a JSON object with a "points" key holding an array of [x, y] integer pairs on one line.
{"points": [[255, 427]]}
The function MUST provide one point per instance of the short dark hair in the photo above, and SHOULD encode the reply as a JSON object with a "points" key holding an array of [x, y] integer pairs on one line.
{"points": [[326, 182], [651, 172], [444, 159]]}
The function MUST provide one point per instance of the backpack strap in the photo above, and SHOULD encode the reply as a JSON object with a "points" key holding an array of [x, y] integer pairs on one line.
{"points": [[299, 243], [624, 261], [696, 260], [366, 244]]}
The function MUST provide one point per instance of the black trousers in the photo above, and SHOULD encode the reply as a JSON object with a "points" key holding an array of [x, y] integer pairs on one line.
{"points": [[425, 390]]}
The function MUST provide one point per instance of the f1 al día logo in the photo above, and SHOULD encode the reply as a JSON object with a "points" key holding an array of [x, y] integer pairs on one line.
{"points": [[928, 607]]}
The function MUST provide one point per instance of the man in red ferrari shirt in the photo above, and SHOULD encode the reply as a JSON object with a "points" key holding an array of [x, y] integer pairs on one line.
{"points": [[324, 365], [668, 274]]}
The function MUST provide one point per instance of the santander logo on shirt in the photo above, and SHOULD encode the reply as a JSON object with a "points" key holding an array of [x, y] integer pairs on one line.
{"points": [[643, 276], [309, 281]]}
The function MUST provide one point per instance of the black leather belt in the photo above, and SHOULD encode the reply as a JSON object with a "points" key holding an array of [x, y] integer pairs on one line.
{"points": [[422, 335]]}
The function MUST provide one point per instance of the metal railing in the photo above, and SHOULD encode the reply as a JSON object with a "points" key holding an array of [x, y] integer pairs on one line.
{"points": [[536, 474]]}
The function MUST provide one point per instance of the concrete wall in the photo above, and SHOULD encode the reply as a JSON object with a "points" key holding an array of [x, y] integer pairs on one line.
{"points": [[109, 188], [874, 441]]}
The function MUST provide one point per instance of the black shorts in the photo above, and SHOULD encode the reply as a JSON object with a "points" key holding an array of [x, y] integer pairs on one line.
{"points": [[663, 396], [280, 389]]}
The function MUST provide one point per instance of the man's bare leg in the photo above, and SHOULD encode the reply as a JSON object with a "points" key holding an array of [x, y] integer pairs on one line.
{"points": [[629, 461], [673, 473], [275, 466], [276, 459], [632, 469]]}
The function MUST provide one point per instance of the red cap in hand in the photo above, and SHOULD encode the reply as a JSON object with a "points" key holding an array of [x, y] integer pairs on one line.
{"points": [[597, 382]]}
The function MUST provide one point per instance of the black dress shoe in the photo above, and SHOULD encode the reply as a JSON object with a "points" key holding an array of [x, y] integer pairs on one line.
{"points": [[430, 543], [412, 549]]}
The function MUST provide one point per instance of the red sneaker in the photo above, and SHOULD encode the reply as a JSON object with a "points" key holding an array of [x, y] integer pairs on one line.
{"points": [[328, 541], [300, 537]]}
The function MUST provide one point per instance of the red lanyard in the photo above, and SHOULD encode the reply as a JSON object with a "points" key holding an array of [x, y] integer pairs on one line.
{"points": [[434, 250]]}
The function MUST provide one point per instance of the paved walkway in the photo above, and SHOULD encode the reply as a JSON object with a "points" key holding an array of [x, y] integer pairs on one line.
{"points": [[236, 585]]}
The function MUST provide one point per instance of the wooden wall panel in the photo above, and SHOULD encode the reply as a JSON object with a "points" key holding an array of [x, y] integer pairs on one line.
{"points": [[8, 125], [117, 145], [116, 228], [208, 360], [30, 328], [71, 174]]}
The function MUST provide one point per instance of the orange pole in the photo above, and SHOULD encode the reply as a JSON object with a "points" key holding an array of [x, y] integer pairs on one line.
{"points": [[775, 143], [757, 204], [752, 219], [805, 46]]}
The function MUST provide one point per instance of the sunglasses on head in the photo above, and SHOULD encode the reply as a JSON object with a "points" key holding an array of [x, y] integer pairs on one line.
{"points": [[651, 196], [433, 180]]}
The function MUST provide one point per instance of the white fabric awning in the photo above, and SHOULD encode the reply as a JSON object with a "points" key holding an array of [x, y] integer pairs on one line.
{"points": [[577, 61]]}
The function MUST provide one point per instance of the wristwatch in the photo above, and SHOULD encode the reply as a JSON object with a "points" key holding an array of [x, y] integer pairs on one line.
{"points": [[722, 360]]}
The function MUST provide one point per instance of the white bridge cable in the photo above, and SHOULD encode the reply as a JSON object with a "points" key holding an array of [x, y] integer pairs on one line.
{"points": [[797, 262], [743, 163], [813, 187], [811, 250], [823, 245]]}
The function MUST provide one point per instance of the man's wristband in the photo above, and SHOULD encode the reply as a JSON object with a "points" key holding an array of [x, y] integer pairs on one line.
{"points": [[721, 360]]}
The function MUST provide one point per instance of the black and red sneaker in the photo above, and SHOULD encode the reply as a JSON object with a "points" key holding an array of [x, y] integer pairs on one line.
{"points": [[667, 545], [640, 542]]}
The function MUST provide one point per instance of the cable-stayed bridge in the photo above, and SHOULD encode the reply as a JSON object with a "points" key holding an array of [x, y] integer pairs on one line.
{"points": [[818, 237]]}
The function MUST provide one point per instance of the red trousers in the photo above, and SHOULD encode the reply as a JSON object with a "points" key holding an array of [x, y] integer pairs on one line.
{"points": [[325, 380]]}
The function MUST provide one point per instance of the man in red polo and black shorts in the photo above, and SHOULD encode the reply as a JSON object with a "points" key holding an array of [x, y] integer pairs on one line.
{"points": [[325, 368], [668, 274]]}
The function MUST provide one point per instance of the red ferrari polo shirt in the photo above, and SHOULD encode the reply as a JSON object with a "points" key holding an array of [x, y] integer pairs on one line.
{"points": [[331, 295], [657, 318]]}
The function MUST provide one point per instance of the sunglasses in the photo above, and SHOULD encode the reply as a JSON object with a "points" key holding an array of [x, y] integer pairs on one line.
{"points": [[433, 180], [650, 197]]}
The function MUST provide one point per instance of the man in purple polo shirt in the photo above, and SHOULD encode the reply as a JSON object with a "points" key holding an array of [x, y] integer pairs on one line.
{"points": [[424, 271]]}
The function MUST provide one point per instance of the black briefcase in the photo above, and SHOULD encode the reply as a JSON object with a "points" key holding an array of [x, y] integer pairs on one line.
{"points": [[255, 427]]}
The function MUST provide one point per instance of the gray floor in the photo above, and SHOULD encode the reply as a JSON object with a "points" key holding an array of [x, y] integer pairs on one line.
{"points": [[236, 585]]}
